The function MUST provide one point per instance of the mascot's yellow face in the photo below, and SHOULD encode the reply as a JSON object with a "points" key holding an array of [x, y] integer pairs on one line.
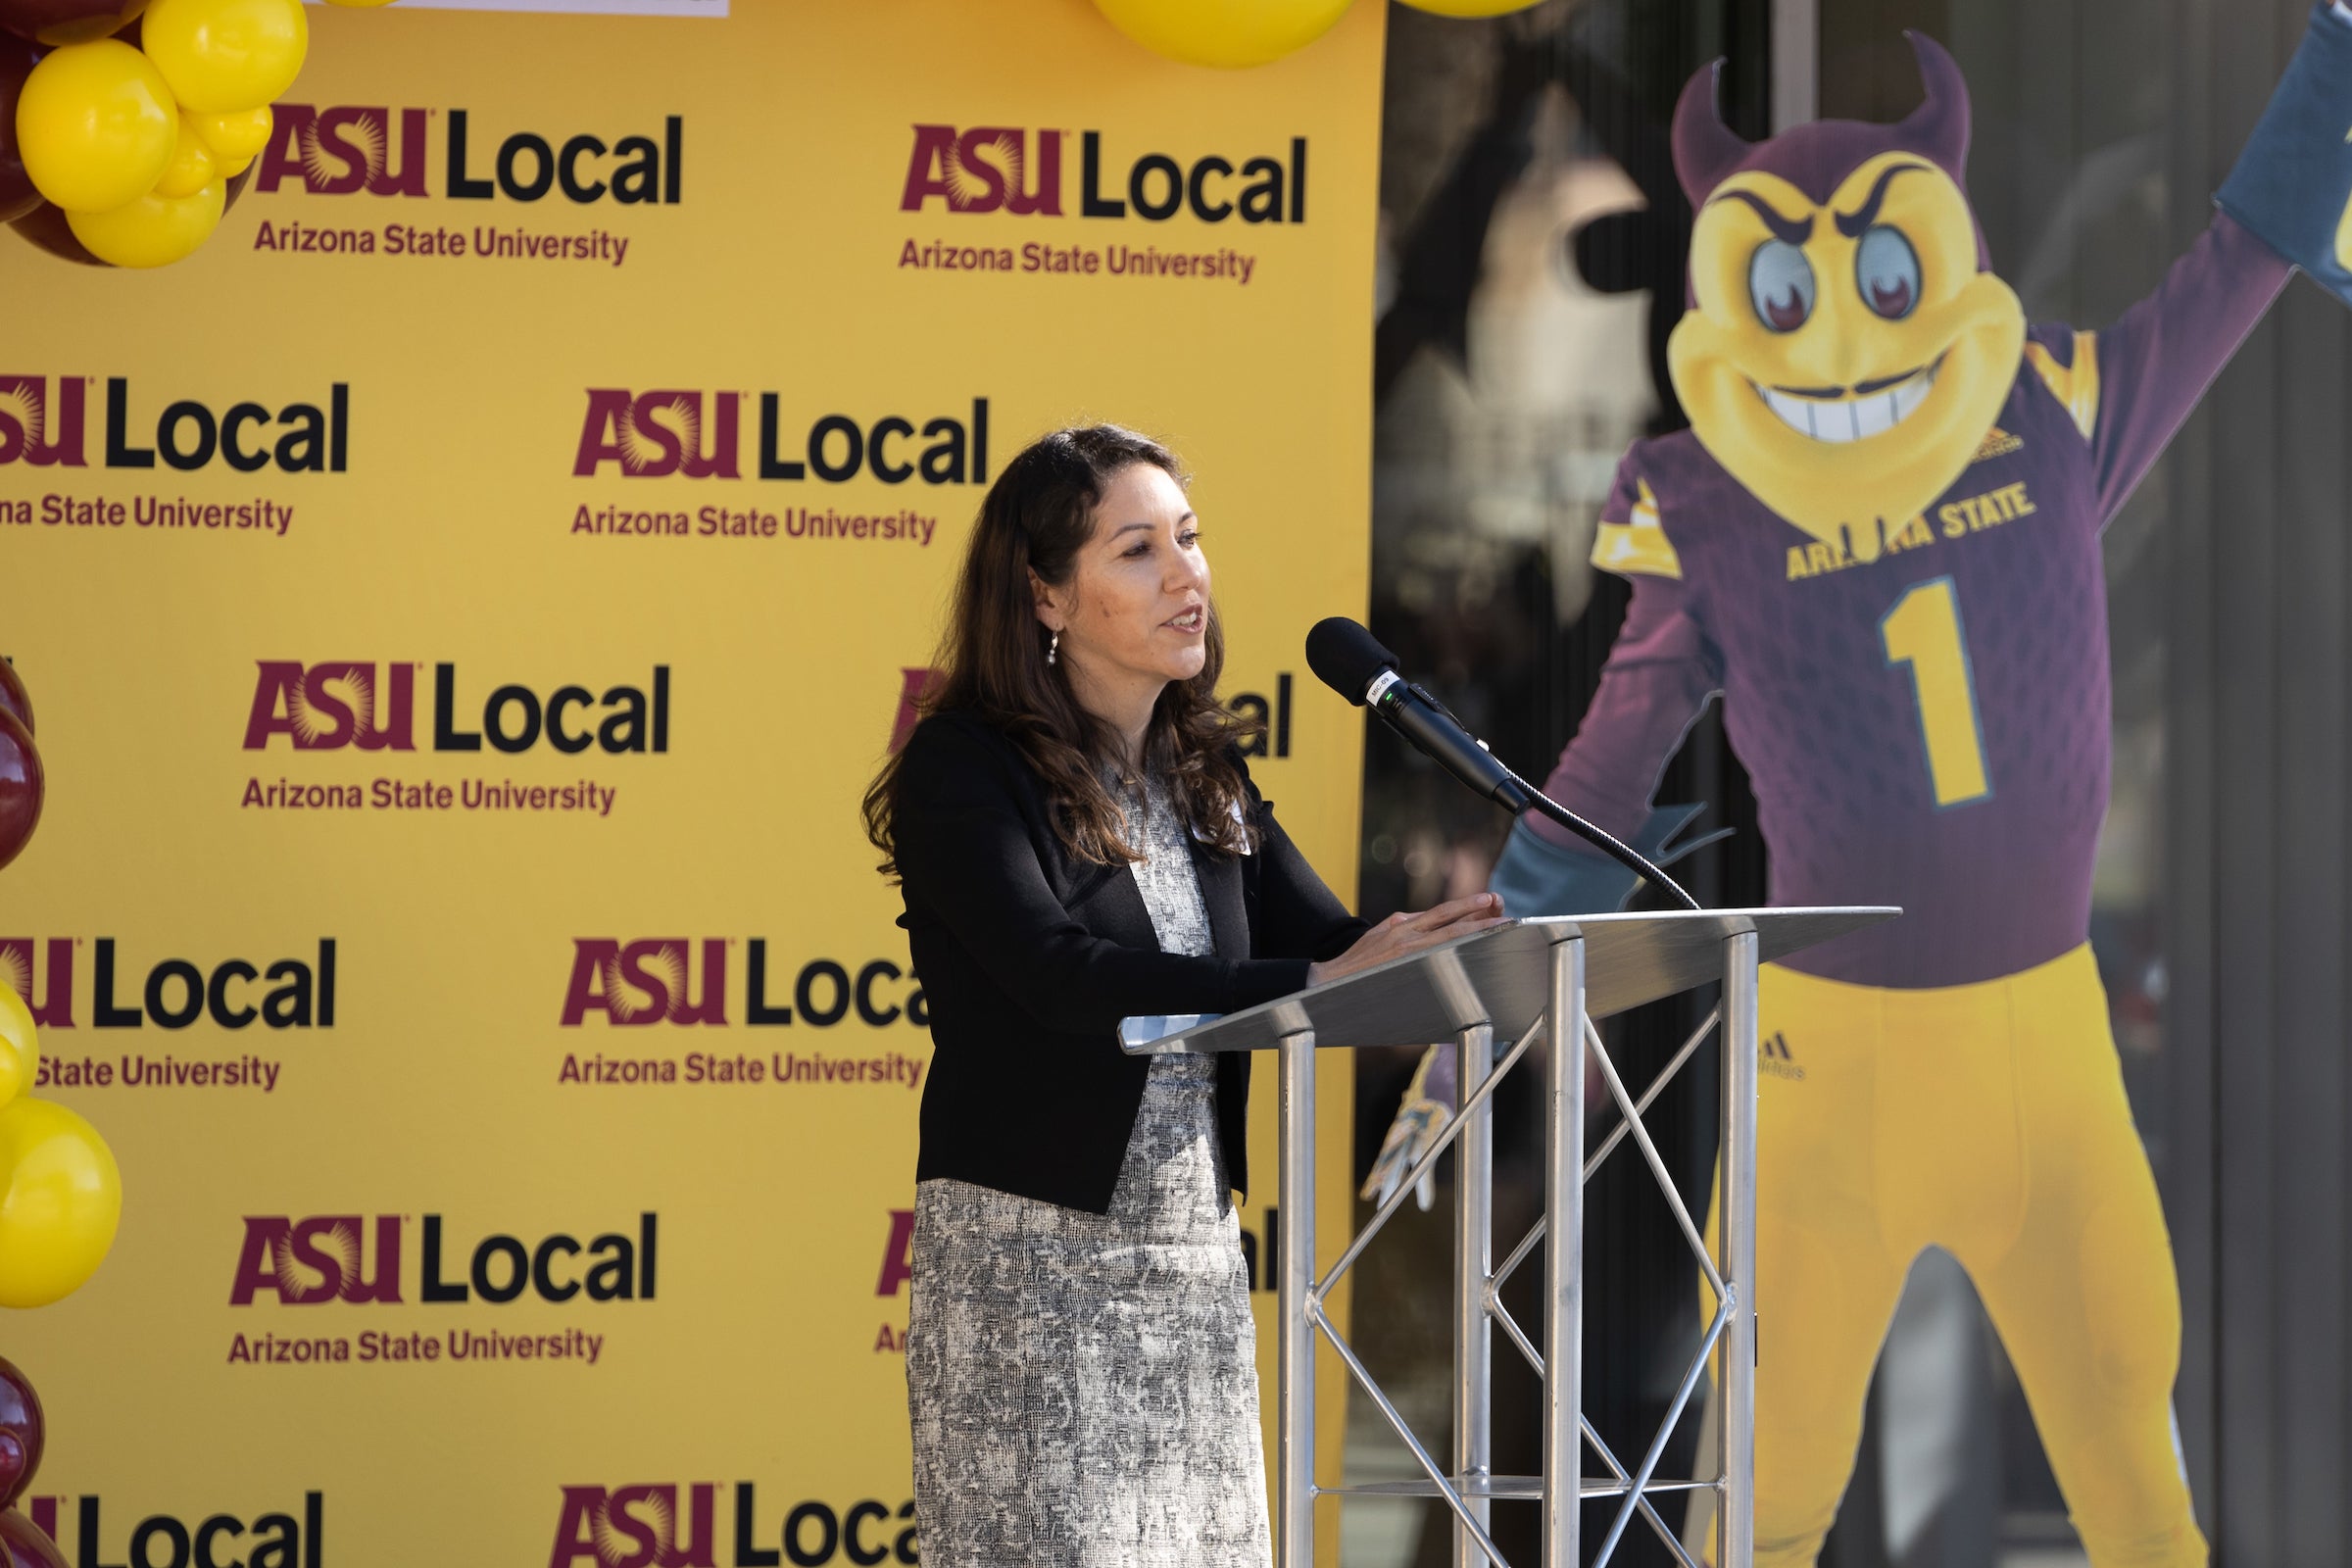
{"points": [[1843, 362]]}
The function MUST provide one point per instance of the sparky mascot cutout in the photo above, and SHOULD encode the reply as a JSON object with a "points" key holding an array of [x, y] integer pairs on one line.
{"points": [[1878, 543]]}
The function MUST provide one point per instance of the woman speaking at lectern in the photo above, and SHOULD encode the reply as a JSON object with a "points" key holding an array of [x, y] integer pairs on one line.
{"points": [[1077, 840]]}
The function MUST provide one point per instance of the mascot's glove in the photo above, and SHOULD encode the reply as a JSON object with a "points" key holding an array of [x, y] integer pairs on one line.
{"points": [[2292, 185], [1535, 876]]}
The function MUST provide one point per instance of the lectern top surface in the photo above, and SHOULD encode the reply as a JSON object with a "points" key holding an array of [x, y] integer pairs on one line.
{"points": [[1503, 977]]}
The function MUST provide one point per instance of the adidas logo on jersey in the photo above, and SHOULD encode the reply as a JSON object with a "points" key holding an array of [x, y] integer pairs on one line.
{"points": [[1773, 1058], [1998, 443]]}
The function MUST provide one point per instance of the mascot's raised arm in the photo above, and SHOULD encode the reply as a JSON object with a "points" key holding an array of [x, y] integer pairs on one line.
{"points": [[1878, 543]]}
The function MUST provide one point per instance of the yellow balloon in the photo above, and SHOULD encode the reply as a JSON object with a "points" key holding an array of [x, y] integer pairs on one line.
{"points": [[155, 231], [192, 165], [221, 55], [236, 138], [95, 124], [1471, 8], [19, 1050], [61, 1198], [1228, 34]]}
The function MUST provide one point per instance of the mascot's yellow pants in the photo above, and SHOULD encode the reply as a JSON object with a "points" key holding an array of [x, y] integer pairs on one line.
{"points": [[1990, 1121]]}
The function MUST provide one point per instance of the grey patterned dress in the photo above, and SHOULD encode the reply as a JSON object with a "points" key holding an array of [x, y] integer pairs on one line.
{"points": [[1083, 1387]]}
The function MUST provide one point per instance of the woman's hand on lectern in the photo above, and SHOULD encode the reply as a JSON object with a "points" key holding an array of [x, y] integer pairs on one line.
{"points": [[1403, 935]]}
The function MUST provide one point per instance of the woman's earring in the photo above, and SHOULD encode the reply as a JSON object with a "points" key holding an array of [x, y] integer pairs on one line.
{"points": [[1053, 647]]}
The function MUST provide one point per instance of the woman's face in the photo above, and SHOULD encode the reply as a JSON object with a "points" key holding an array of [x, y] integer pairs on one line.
{"points": [[1136, 607]]}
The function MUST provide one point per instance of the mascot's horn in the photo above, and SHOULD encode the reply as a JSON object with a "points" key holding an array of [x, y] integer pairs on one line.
{"points": [[1705, 149], [1938, 127]]}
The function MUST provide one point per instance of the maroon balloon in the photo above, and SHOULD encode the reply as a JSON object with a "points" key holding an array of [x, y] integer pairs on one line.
{"points": [[55, 21], [46, 227], [21, 788], [22, 1432], [15, 699], [25, 1546], [17, 194]]}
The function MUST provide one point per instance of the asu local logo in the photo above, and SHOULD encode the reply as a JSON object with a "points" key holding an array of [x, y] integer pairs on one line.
{"points": [[356, 1260], [52, 423], [352, 150], [213, 995], [1005, 169], [288, 1538], [321, 1258], [344, 149], [326, 706], [44, 423], [698, 434], [642, 982], [372, 707], [651, 980], [1021, 173], [669, 1525]]}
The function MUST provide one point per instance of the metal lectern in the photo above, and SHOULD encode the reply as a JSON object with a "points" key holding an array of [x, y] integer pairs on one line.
{"points": [[1525, 981]]}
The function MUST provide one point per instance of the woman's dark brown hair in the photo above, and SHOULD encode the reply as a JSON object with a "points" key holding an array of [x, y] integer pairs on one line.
{"points": [[992, 662]]}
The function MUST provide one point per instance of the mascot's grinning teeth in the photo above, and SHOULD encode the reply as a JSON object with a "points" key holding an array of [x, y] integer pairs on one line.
{"points": [[1851, 418]]}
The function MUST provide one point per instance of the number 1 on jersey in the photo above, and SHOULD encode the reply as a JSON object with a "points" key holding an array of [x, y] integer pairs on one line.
{"points": [[1923, 630]]}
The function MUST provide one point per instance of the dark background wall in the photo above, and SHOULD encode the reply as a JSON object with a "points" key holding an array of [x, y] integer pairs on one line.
{"points": [[2221, 910], [2256, 836], [2101, 132]]}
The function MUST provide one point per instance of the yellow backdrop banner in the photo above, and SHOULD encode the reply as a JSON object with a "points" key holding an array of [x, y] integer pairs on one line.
{"points": [[463, 605]]}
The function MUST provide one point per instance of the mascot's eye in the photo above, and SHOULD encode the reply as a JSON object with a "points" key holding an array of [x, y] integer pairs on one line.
{"points": [[1887, 270], [1779, 282]]}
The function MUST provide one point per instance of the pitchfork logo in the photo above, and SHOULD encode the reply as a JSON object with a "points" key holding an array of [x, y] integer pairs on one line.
{"points": [[323, 707], [646, 982], [26, 430], [985, 170], [662, 432], [342, 149], [316, 1259], [637, 1527]]}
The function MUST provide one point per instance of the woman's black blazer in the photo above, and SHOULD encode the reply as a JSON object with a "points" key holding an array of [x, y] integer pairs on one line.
{"points": [[1029, 958]]}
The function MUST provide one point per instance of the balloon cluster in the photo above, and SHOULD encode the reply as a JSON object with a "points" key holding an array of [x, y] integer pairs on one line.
{"points": [[128, 126], [1234, 33], [61, 1195]]}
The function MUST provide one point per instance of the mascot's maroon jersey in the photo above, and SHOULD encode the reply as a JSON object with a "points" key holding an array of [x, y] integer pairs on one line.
{"points": [[1930, 728]]}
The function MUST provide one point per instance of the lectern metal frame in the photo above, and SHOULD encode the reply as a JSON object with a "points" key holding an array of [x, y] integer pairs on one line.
{"points": [[1529, 981]]}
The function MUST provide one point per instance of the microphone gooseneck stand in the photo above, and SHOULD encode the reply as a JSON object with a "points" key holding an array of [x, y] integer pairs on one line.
{"points": [[1350, 660], [1607, 843]]}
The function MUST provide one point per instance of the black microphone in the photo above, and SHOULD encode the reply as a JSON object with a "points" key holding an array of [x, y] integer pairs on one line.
{"points": [[1346, 658], [1350, 659]]}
